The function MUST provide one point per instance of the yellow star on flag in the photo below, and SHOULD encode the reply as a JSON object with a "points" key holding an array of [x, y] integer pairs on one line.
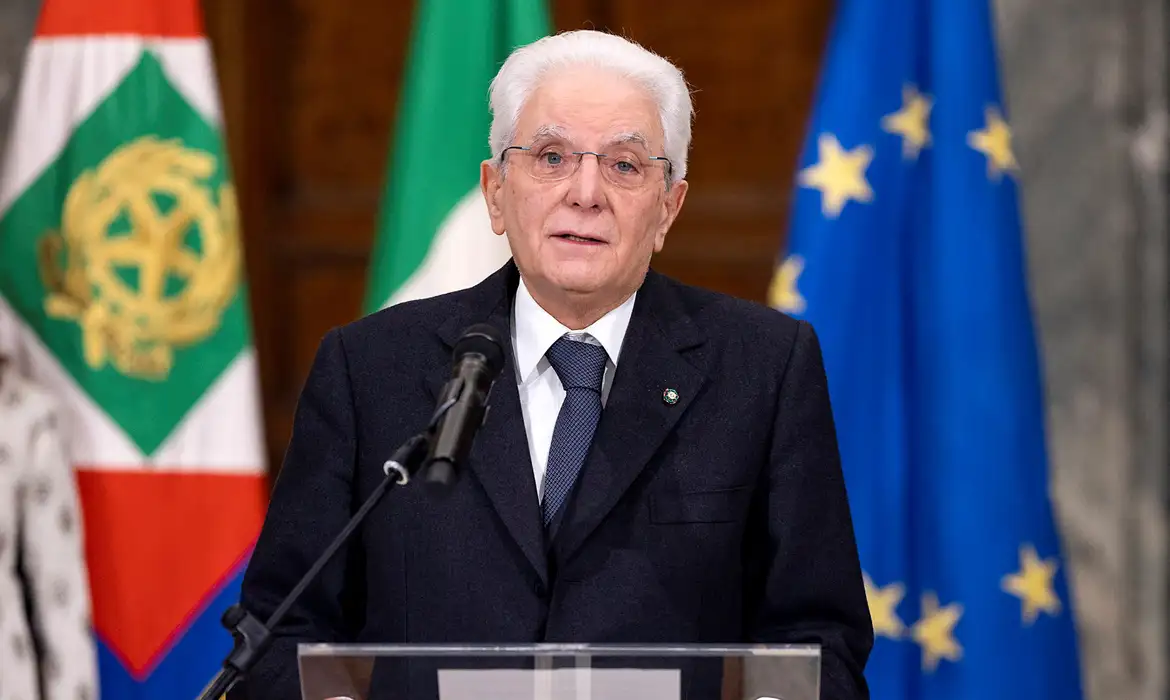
{"points": [[935, 632], [995, 142], [911, 122], [839, 175], [1032, 584], [883, 604], [783, 294]]}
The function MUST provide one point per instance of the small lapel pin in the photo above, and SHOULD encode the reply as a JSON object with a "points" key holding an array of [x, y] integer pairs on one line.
{"points": [[670, 397]]}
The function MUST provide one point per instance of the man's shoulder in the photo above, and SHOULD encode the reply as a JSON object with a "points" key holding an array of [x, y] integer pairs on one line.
{"points": [[722, 315], [403, 329], [743, 338], [428, 313]]}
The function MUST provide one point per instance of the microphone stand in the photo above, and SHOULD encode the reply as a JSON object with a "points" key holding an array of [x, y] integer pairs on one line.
{"points": [[253, 637]]}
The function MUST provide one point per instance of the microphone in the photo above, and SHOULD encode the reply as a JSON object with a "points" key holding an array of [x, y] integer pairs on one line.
{"points": [[477, 360]]}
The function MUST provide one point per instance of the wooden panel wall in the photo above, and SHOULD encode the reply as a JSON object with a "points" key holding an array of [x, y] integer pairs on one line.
{"points": [[310, 90]]}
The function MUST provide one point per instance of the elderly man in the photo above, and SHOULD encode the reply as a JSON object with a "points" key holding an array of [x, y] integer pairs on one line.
{"points": [[659, 464]]}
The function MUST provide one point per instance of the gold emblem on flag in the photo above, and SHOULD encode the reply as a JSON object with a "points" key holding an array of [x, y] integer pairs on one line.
{"points": [[145, 261]]}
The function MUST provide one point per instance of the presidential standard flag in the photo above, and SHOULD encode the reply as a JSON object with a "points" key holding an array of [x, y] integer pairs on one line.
{"points": [[433, 232], [122, 290], [906, 254]]}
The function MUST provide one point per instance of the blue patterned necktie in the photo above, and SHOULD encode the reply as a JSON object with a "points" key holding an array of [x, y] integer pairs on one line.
{"points": [[580, 367]]}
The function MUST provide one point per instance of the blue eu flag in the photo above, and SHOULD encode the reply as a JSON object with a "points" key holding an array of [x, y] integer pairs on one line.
{"points": [[906, 254]]}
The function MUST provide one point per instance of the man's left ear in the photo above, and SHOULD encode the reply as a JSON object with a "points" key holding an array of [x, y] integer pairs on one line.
{"points": [[671, 207]]}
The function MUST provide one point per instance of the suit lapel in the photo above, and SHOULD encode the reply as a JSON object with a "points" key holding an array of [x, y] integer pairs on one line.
{"points": [[499, 458], [638, 415]]}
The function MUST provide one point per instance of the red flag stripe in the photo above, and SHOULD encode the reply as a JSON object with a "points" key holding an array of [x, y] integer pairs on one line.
{"points": [[157, 544], [154, 18]]}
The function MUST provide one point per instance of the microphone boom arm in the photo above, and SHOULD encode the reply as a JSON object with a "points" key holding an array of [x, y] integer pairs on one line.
{"points": [[253, 637]]}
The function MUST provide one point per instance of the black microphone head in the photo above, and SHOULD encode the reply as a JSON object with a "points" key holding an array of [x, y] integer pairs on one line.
{"points": [[484, 340], [440, 474]]}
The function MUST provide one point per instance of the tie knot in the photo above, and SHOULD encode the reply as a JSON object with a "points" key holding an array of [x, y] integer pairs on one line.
{"points": [[579, 365]]}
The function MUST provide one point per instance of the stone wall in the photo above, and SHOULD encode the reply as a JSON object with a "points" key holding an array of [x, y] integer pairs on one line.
{"points": [[17, 18], [1086, 85]]}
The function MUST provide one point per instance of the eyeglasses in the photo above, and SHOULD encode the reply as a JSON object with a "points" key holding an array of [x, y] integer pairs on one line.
{"points": [[627, 169]]}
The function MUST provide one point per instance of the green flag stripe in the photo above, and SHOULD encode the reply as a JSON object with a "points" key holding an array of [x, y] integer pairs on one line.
{"points": [[442, 131]]}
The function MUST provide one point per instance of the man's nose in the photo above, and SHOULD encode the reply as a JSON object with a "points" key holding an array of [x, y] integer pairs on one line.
{"points": [[585, 189]]}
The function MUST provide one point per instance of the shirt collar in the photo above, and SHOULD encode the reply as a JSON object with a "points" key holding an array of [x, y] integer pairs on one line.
{"points": [[536, 330]]}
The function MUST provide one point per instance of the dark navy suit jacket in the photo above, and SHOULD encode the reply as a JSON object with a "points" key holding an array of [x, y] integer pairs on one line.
{"points": [[719, 518]]}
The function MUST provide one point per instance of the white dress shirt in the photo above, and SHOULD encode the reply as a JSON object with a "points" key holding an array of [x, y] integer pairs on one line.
{"points": [[534, 331]]}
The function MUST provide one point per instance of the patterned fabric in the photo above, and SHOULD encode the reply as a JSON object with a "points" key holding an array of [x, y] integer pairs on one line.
{"points": [[580, 367], [39, 513]]}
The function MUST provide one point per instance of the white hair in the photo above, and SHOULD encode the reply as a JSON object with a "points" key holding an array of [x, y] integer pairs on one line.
{"points": [[527, 66]]}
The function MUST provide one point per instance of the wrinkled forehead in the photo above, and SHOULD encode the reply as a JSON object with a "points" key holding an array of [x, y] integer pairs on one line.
{"points": [[591, 108]]}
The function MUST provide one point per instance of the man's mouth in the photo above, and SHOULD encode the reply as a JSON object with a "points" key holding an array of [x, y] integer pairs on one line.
{"points": [[578, 238]]}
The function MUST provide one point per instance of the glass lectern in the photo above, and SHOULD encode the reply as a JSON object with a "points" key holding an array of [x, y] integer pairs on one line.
{"points": [[559, 672]]}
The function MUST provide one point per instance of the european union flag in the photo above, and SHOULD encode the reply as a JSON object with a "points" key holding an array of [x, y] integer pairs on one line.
{"points": [[906, 255]]}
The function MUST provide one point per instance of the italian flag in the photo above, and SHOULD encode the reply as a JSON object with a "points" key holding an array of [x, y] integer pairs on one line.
{"points": [[434, 235], [122, 290]]}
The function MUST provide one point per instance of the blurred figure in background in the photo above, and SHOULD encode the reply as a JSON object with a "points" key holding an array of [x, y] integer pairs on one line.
{"points": [[41, 554]]}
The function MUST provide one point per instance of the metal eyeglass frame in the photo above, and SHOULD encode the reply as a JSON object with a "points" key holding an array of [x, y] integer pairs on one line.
{"points": [[581, 154]]}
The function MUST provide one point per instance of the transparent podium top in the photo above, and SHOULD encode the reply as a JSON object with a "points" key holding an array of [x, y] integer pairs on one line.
{"points": [[559, 672]]}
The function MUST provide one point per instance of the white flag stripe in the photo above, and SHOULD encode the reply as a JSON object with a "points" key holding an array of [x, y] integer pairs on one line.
{"points": [[222, 432], [64, 79], [465, 248], [95, 439], [188, 65]]}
